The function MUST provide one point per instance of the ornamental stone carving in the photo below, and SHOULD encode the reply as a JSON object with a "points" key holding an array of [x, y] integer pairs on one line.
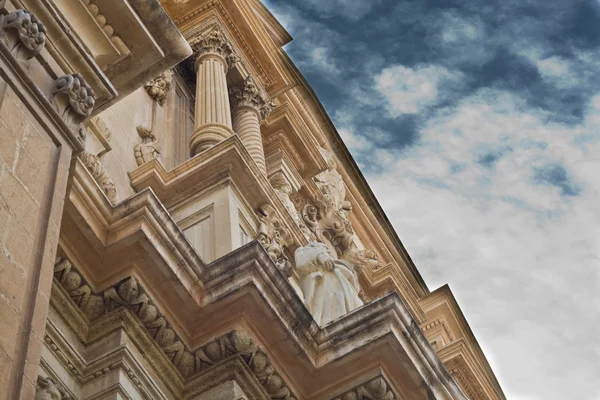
{"points": [[275, 238], [284, 190], [149, 149], [130, 295], [73, 98], [214, 42], [94, 165], [376, 389], [159, 87], [330, 286], [248, 94], [49, 389], [30, 31]]}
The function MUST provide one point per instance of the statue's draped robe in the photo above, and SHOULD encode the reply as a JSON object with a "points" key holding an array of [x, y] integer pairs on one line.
{"points": [[328, 294]]}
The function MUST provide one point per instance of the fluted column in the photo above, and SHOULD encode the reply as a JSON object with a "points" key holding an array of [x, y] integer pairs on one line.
{"points": [[214, 56], [250, 107]]}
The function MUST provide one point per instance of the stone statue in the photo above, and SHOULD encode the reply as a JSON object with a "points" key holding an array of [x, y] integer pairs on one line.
{"points": [[330, 286]]}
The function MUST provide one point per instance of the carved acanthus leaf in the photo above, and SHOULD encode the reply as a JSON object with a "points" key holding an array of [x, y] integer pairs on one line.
{"points": [[31, 33], [130, 295], [376, 389], [94, 165], [149, 149], [214, 42], [158, 87], [248, 94], [275, 238]]}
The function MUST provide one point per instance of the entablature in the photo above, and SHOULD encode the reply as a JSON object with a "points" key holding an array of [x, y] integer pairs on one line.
{"points": [[244, 290]]}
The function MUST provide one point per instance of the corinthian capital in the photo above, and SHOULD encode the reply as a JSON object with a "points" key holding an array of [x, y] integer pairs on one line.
{"points": [[248, 94], [214, 42]]}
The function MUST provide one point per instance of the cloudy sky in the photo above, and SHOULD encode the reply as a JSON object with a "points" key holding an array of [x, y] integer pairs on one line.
{"points": [[477, 125]]}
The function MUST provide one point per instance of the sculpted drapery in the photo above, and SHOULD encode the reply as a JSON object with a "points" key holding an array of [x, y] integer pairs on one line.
{"points": [[330, 286]]}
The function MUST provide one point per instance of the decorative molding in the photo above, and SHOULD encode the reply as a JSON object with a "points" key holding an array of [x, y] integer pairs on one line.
{"points": [[91, 375], [50, 389], [375, 389], [95, 167], [100, 130], [440, 322], [30, 30], [239, 37], [73, 99], [281, 140], [107, 28], [275, 238], [214, 42], [158, 87], [463, 383], [248, 94], [130, 295], [149, 149]]}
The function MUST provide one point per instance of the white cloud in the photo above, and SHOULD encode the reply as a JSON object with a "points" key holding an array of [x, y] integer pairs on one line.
{"points": [[559, 71], [410, 90], [522, 258]]}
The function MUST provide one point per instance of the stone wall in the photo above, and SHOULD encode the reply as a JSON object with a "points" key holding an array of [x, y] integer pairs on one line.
{"points": [[33, 172]]}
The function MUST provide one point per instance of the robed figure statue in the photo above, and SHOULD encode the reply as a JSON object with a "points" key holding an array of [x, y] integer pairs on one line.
{"points": [[330, 286]]}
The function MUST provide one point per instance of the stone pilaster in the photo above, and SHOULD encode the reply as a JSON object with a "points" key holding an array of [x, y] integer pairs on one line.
{"points": [[250, 107], [214, 56]]}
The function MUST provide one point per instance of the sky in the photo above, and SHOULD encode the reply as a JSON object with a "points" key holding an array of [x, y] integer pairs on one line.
{"points": [[477, 126]]}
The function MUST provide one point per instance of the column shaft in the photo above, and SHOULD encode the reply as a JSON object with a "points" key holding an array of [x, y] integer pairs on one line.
{"points": [[246, 122], [214, 57]]}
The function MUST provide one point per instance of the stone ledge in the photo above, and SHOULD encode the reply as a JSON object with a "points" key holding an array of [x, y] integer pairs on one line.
{"points": [[245, 290]]}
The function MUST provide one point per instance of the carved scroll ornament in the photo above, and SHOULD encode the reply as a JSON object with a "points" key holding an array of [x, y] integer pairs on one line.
{"points": [[49, 389], [73, 98], [31, 33]]}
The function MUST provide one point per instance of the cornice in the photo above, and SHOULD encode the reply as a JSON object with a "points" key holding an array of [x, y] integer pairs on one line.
{"points": [[138, 238]]}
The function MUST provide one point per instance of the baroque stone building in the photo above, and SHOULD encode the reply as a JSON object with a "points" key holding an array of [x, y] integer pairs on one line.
{"points": [[180, 220]]}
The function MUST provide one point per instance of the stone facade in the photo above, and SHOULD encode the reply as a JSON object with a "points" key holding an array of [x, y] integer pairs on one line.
{"points": [[179, 220]]}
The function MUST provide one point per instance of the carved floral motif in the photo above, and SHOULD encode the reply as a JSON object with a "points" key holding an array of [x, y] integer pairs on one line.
{"points": [[149, 149], [93, 164], [248, 94], [73, 98], [130, 295], [215, 42], [30, 30], [158, 87], [376, 389]]}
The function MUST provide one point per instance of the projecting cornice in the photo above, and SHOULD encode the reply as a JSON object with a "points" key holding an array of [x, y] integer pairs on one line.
{"points": [[244, 291], [251, 38]]}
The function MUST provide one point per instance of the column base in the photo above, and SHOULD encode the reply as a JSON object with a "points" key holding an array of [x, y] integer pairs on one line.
{"points": [[208, 135]]}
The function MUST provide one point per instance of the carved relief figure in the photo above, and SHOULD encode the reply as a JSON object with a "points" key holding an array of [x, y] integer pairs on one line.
{"points": [[149, 149], [330, 286], [275, 238]]}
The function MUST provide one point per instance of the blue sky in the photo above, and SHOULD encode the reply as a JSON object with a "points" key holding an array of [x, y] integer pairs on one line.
{"points": [[477, 125]]}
